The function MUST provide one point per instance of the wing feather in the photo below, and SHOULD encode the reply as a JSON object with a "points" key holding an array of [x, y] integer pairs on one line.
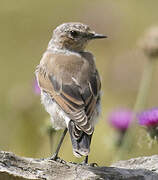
{"points": [[76, 99]]}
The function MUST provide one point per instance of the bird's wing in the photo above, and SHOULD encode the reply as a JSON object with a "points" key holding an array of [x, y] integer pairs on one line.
{"points": [[74, 84]]}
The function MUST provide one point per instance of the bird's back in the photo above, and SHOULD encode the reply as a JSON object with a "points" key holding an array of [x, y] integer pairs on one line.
{"points": [[65, 66]]}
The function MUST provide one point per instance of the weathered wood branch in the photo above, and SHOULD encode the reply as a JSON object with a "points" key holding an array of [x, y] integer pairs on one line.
{"points": [[13, 167]]}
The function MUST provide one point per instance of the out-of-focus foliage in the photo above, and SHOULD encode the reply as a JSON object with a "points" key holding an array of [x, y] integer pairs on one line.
{"points": [[26, 27]]}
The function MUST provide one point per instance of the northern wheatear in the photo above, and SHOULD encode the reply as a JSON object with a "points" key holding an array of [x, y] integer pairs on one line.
{"points": [[70, 85]]}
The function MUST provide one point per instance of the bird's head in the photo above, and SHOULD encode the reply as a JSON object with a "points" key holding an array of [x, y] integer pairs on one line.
{"points": [[73, 36]]}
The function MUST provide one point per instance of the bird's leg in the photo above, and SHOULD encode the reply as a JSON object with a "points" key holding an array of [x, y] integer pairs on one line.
{"points": [[85, 160], [55, 155]]}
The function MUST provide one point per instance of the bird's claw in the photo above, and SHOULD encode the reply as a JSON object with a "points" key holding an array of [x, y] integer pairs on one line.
{"points": [[93, 164], [57, 159], [54, 157], [86, 164]]}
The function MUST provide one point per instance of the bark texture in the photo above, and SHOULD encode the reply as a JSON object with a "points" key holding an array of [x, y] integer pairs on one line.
{"points": [[13, 167]]}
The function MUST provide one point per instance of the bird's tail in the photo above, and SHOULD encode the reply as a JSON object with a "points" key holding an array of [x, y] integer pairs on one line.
{"points": [[80, 144]]}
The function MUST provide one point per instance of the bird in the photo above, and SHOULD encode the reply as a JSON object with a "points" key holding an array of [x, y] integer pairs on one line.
{"points": [[70, 85]]}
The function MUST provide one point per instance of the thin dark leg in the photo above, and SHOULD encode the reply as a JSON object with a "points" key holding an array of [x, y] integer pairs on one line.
{"points": [[85, 160], [55, 155]]}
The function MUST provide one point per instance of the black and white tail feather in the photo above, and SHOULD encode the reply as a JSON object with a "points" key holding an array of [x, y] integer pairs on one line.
{"points": [[80, 140]]}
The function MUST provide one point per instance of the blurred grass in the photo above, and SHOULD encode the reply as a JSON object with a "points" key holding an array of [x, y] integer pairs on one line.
{"points": [[26, 27]]}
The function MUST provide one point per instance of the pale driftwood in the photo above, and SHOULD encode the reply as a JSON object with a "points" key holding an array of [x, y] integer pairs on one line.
{"points": [[13, 167]]}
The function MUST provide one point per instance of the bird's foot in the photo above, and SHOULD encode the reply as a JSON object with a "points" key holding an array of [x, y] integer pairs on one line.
{"points": [[54, 157], [86, 164], [73, 163], [57, 159]]}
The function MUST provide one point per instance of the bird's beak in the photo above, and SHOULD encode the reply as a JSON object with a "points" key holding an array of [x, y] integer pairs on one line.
{"points": [[96, 36]]}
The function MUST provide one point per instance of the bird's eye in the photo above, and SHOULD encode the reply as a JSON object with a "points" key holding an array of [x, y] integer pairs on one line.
{"points": [[74, 33]]}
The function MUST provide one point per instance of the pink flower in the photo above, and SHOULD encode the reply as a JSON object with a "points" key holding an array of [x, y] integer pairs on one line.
{"points": [[121, 119], [149, 117]]}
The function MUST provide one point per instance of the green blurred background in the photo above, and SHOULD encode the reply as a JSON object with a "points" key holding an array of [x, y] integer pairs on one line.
{"points": [[26, 27]]}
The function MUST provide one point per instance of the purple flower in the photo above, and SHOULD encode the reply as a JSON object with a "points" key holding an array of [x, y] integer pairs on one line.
{"points": [[121, 119], [149, 117], [36, 87]]}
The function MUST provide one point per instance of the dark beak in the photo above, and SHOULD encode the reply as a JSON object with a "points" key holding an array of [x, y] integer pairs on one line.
{"points": [[98, 36], [94, 35]]}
